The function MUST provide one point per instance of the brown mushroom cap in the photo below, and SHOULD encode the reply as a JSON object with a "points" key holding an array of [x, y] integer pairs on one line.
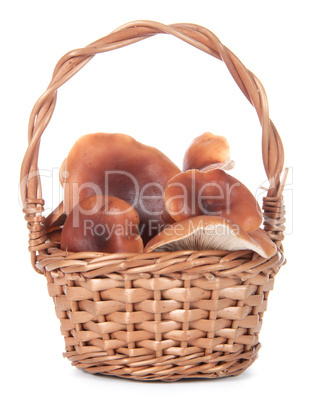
{"points": [[206, 150], [122, 167], [212, 192], [260, 237], [210, 233], [56, 218], [53, 224], [102, 224], [54, 234]]}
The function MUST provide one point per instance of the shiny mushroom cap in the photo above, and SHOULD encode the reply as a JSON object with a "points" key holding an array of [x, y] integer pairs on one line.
{"points": [[118, 165], [210, 233], [212, 192], [53, 224], [102, 224], [205, 150]]}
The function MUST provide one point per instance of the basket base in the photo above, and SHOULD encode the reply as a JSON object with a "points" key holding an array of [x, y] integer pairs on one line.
{"points": [[166, 368]]}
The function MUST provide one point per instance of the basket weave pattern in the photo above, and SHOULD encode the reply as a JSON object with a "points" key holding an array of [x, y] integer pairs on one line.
{"points": [[143, 318], [165, 315]]}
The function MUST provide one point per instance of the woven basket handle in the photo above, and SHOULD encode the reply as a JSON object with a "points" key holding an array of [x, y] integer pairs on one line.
{"points": [[195, 35]]}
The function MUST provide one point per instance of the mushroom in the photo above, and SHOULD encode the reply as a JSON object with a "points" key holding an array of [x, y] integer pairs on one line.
{"points": [[206, 150], [212, 192], [210, 233], [103, 224], [54, 235], [56, 218], [54, 222], [118, 165]]}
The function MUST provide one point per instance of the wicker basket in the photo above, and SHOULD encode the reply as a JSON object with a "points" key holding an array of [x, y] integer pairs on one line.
{"points": [[157, 316]]}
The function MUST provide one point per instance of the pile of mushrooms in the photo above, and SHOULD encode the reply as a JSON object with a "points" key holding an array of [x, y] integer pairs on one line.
{"points": [[123, 196]]}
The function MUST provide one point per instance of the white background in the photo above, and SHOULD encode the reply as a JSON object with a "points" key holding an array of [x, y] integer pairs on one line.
{"points": [[164, 93]]}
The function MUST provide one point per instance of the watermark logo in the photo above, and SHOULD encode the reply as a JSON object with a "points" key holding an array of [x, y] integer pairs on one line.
{"points": [[148, 199]]}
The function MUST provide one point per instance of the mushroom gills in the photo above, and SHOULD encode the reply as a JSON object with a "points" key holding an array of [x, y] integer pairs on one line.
{"points": [[211, 233], [203, 240]]}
